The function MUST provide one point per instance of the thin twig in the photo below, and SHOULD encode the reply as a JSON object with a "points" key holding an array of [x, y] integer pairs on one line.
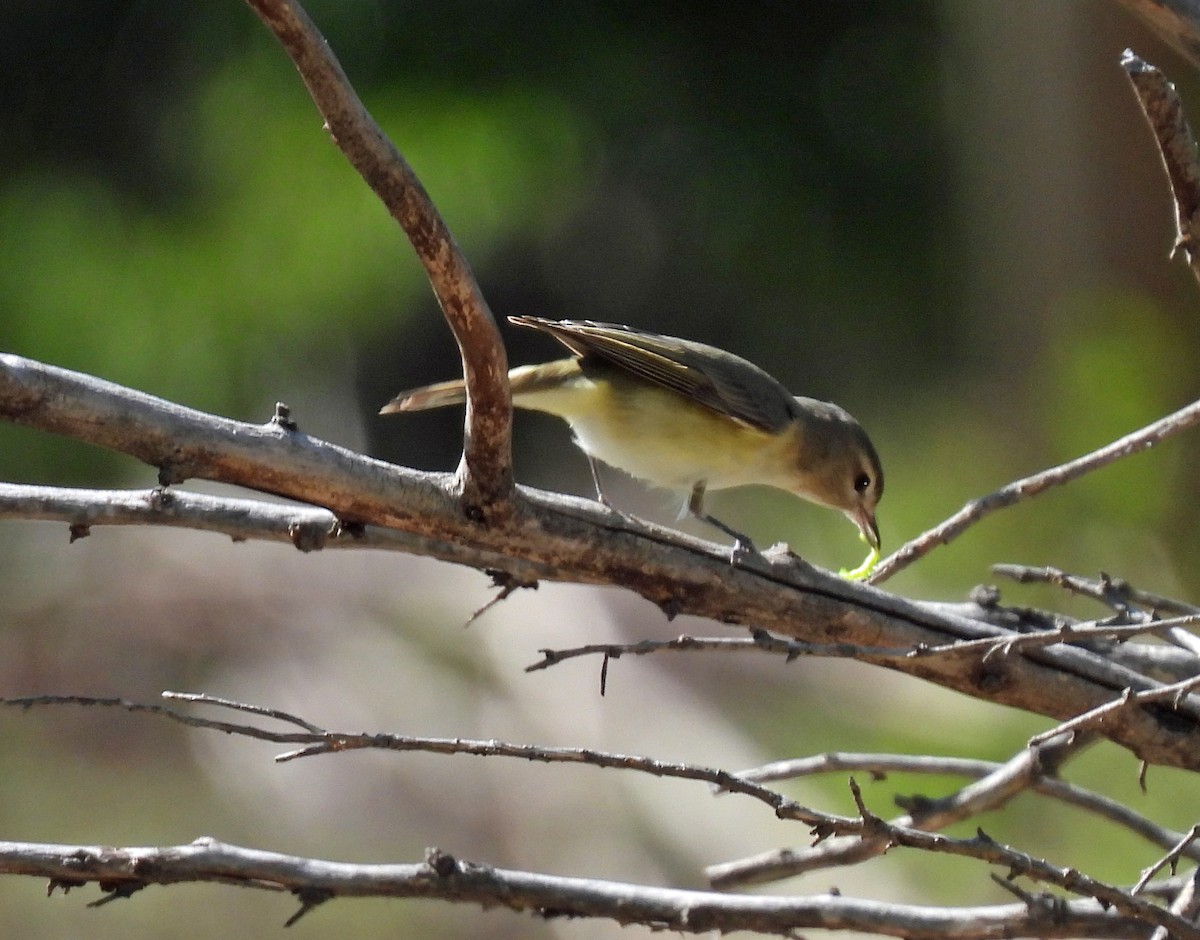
{"points": [[1067, 633], [506, 585], [1123, 598], [485, 473], [1170, 859], [315, 740], [568, 539], [1116, 593], [795, 649], [1176, 691], [880, 765], [761, 642], [1028, 487], [202, 698], [1001, 784]]}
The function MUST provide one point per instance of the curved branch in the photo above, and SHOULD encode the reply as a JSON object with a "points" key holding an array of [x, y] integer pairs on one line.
{"points": [[485, 473], [311, 741], [123, 871]]}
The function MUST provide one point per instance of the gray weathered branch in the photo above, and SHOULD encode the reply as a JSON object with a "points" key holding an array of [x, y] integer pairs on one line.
{"points": [[122, 871], [565, 539]]}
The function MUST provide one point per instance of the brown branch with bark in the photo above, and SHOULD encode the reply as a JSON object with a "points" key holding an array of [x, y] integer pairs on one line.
{"points": [[484, 480], [567, 539]]}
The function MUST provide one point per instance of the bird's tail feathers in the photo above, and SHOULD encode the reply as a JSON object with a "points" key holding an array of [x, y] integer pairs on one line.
{"points": [[440, 395], [525, 380]]}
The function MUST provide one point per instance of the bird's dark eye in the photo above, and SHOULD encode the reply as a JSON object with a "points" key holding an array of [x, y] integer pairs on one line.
{"points": [[862, 483]]}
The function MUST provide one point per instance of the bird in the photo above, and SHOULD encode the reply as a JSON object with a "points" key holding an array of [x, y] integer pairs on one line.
{"points": [[688, 417]]}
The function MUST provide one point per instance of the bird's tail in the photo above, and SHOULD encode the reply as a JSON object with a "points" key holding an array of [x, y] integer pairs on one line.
{"points": [[440, 395], [524, 380]]}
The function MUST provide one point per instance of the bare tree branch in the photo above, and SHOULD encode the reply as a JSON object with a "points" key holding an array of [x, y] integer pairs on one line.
{"points": [[1013, 493], [575, 540], [1122, 598], [485, 475], [1127, 699], [984, 848], [763, 642], [1116, 593], [1019, 773], [130, 876], [307, 527], [122, 871], [1158, 660], [1171, 859], [881, 764], [313, 740]]}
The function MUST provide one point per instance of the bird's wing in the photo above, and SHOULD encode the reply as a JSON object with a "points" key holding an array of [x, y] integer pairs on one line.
{"points": [[709, 376]]}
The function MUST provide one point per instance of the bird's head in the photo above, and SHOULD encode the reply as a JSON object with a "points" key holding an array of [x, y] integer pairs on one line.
{"points": [[837, 464]]}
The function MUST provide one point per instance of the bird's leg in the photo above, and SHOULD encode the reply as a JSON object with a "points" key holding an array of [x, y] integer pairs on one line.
{"points": [[742, 546], [602, 497], [595, 468]]}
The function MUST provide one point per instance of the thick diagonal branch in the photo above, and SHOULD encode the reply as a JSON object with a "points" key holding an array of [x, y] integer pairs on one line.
{"points": [[572, 540]]}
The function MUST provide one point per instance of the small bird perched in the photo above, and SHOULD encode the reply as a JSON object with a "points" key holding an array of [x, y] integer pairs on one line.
{"points": [[689, 417]]}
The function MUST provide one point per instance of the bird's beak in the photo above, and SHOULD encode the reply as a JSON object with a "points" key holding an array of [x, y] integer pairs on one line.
{"points": [[865, 520]]}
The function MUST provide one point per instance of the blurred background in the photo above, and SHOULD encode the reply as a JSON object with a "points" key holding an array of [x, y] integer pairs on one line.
{"points": [[949, 217]]}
